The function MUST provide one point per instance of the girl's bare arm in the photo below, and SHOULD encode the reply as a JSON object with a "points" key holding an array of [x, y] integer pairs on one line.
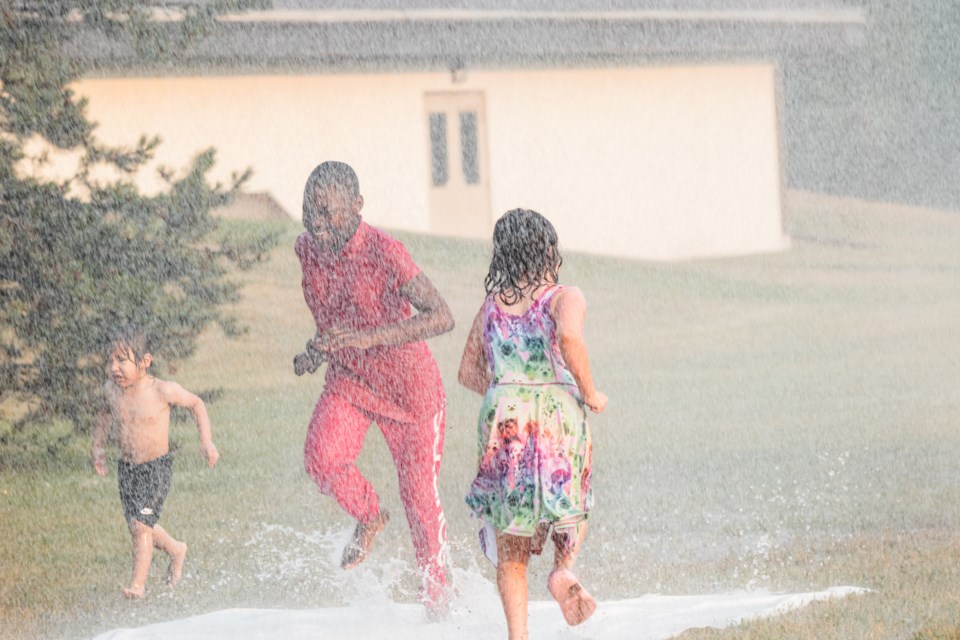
{"points": [[474, 371], [178, 396], [569, 310]]}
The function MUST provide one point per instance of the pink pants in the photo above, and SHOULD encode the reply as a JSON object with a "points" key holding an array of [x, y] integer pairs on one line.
{"points": [[334, 440]]}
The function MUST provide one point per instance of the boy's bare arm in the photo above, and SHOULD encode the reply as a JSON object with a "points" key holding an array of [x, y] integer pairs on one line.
{"points": [[569, 311], [98, 448], [433, 318], [178, 396], [474, 372]]}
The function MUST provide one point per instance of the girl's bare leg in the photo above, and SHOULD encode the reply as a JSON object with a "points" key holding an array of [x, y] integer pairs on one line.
{"points": [[566, 545], [513, 553], [575, 602], [142, 538], [176, 549]]}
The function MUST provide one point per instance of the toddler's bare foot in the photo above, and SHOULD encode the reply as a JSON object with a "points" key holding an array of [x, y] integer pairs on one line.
{"points": [[175, 570], [134, 592], [357, 549]]}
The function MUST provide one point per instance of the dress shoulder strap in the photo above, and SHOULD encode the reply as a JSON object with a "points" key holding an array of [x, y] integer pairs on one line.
{"points": [[489, 305], [549, 293]]}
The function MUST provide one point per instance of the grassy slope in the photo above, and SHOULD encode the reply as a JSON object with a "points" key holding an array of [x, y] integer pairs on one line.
{"points": [[785, 421]]}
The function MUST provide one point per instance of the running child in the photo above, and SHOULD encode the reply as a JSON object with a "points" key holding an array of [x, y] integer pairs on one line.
{"points": [[526, 356], [360, 285], [136, 405]]}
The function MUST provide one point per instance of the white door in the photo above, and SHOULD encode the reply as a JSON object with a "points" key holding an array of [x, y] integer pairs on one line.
{"points": [[459, 180]]}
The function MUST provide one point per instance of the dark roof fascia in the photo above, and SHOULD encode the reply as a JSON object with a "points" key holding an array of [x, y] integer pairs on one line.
{"points": [[370, 46]]}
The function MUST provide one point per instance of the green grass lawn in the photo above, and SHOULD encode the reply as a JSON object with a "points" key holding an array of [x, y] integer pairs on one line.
{"points": [[784, 422]]}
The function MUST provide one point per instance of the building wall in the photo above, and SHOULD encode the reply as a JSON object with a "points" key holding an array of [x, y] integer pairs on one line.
{"points": [[654, 163]]}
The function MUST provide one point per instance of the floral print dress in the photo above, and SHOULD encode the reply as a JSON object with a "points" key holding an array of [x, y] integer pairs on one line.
{"points": [[534, 445]]}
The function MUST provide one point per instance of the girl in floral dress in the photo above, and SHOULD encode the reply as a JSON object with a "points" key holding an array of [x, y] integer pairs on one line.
{"points": [[526, 356]]}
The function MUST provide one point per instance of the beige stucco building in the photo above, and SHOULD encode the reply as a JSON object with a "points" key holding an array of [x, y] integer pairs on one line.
{"points": [[654, 135]]}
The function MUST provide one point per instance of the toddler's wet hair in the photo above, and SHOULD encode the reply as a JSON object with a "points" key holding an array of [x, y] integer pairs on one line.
{"points": [[525, 255], [129, 336]]}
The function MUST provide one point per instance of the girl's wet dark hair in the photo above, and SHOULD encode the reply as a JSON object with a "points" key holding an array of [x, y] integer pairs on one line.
{"points": [[525, 255], [128, 336]]}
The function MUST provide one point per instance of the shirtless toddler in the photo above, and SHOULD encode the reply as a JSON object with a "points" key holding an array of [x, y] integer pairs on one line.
{"points": [[137, 406]]}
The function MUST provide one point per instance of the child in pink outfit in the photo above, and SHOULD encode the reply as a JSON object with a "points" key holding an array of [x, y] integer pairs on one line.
{"points": [[360, 285], [526, 356]]}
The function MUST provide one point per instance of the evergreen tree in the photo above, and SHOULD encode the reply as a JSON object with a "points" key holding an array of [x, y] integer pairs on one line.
{"points": [[78, 255]]}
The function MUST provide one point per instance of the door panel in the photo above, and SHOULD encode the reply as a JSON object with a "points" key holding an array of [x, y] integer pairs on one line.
{"points": [[459, 182]]}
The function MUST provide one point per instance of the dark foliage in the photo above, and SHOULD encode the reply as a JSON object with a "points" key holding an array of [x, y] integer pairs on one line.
{"points": [[78, 255]]}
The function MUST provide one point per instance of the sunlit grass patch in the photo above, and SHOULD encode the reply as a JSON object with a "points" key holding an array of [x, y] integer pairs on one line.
{"points": [[945, 631], [54, 446]]}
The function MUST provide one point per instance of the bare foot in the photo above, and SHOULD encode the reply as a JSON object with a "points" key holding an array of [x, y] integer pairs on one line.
{"points": [[134, 592], [576, 604], [357, 549], [175, 570]]}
